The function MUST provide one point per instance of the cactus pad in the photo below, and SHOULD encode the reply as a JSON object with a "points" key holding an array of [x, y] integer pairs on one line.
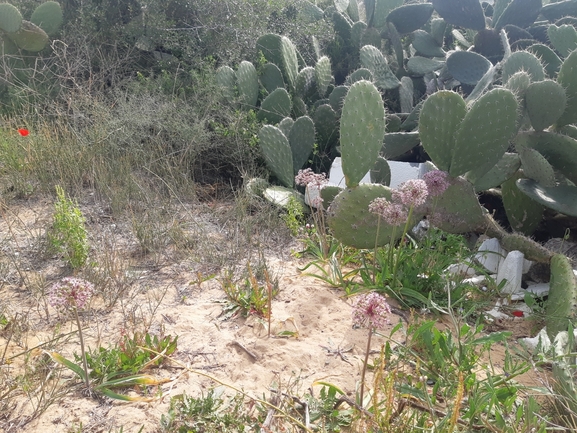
{"points": [[48, 16], [381, 172], [561, 308], [503, 170], [301, 140], [521, 13], [10, 18], [440, 117], [426, 45], [275, 107], [305, 82], [351, 222], [29, 37], [226, 80], [531, 249], [536, 166], [483, 135], [358, 75], [545, 102], [563, 38], [523, 213], [326, 126], [277, 153], [550, 60], [247, 84], [323, 75], [410, 17], [398, 143], [568, 79], [462, 13], [562, 198], [373, 60], [271, 77], [362, 130], [420, 66], [467, 67], [523, 61]]}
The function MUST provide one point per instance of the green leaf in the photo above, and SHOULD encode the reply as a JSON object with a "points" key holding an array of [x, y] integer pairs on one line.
{"points": [[68, 364]]}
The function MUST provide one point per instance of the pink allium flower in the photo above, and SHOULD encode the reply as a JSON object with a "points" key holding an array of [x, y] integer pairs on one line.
{"points": [[413, 192], [394, 214], [436, 181], [70, 293], [371, 309], [308, 177]]}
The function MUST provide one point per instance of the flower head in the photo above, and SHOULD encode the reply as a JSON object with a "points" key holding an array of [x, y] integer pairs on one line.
{"points": [[372, 309], [23, 132], [394, 214], [70, 293], [308, 177], [436, 181], [413, 192]]}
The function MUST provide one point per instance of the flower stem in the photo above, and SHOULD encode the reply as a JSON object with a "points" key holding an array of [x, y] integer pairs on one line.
{"points": [[406, 228], [84, 363], [365, 366]]}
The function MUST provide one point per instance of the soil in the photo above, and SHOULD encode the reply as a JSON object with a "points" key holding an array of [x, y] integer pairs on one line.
{"points": [[312, 338]]}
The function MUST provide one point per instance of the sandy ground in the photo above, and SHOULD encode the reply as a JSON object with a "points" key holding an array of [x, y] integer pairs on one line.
{"points": [[166, 297]]}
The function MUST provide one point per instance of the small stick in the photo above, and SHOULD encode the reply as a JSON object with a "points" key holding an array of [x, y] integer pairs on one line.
{"points": [[252, 355]]}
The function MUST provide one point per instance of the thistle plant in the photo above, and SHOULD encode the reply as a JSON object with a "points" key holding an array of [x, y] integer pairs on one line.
{"points": [[71, 295], [370, 310]]}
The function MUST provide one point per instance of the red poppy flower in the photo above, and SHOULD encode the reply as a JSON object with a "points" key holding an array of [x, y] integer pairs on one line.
{"points": [[517, 313], [23, 132]]}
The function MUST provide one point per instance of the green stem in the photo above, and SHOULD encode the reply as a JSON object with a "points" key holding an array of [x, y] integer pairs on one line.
{"points": [[362, 394], [376, 246], [396, 265], [84, 363]]}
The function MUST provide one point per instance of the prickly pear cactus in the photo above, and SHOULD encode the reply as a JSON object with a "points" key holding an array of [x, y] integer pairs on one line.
{"points": [[275, 107], [247, 83], [323, 75], [375, 61], [523, 213], [531, 249], [561, 308], [362, 130], [226, 80], [277, 153], [10, 18], [545, 102], [351, 222], [48, 16], [568, 79], [301, 140]]}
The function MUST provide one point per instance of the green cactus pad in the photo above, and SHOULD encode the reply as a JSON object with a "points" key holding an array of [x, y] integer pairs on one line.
{"points": [[562, 198], [531, 249], [29, 37], [326, 123], [290, 64], [461, 13], [518, 83], [554, 11], [568, 79], [521, 13], [410, 17], [353, 10], [563, 38], [438, 28], [309, 12], [373, 60], [551, 61], [483, 135], [337, 97], [523, 61], [302, 140], [358, 75], [381, 172], [457, 210], [299, 107], [275, 107], [393, 123], [342, 26], [545, 102], [48, 16], [412, 120], [381, 12], [269, 46], [368, 36], [399, 143], [285, 125], [440, 117], [426, 45], [328, 194], [362, 130], [247, 84], [523, 213], [560, 150], [271, 77], [10, 18], [467, 67], [503, 170], [484, 83], [351, 222], [226, 80], [323, 75], [406, 94], [305, 84], [277, 153], [420, 66], [561, 307], [570, 130]]}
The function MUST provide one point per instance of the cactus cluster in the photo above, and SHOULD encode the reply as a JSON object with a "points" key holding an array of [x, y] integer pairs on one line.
{"points": [[29, 35]]}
